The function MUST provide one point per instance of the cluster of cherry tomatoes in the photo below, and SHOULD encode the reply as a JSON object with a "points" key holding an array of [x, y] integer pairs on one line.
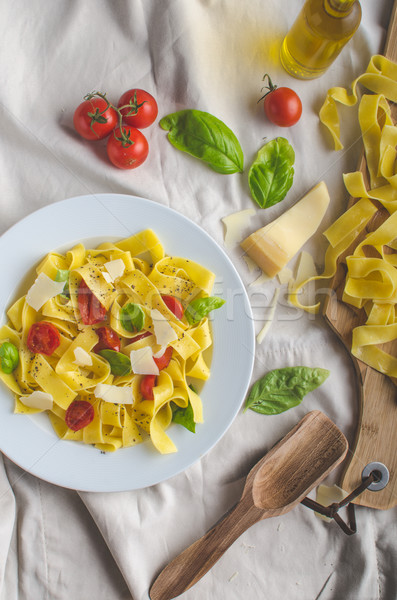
{"points": [[96, 118]]}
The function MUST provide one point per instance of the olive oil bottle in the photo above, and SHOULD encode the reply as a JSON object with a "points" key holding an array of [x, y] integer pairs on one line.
{"points": [[321, 30]]}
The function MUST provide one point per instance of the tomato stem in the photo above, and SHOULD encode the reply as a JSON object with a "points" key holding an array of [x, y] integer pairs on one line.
{"points": [[97, 115], [270, 87], [133, 105]]}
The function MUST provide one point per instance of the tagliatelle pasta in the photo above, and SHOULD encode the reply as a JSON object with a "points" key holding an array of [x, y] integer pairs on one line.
{"points": [[380, 78], [110, 281], [371, 279]]}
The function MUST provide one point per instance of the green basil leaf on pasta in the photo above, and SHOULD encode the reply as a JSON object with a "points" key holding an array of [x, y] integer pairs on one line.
{"points": [[282, 389], [201, 307], [63, 275], [204, 136], [132, 317], [271, 174], [120, 364], [9, 357], [184, 416]]}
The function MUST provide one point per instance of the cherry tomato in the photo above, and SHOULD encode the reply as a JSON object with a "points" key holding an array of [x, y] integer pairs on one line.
{"points": [[142, 108], [128, 148], [108, 339], [146, 387], [164, 360], [43, 338], [140, 336], [173, 305], [94, 119], [282, 105], [79, 414], [91, 310]]}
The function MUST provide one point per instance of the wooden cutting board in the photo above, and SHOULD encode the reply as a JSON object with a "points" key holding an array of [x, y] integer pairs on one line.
{"points": [[376, 435]]}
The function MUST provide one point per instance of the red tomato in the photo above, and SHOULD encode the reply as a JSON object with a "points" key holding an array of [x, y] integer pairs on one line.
{"points": [[128, 148], [146, 387], [91, 310], [79, 414], [173, 305], [108, 339], [282, 105], [164, 360], [43, 338], [140, 336], [142, 108], [94, 119]]}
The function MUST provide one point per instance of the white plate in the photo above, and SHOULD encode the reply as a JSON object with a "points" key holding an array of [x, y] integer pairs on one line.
{"points": [[28, 440]]}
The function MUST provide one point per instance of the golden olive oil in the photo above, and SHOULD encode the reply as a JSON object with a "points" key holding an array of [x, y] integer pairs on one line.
{"points": [[321, 30]]}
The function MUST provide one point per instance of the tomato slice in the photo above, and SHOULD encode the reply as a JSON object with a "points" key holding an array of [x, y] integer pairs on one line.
{"points": [[79, 414], [164, 360], [140, 336], [108, 339], [91, 310], [174, 305], [43, 338], [146, 387]]}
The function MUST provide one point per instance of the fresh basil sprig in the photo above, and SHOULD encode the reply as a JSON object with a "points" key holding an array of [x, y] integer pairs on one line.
{"points": [[272, 173], [120, 364], [201, 307], [132, 317], [184, 416], [205, 137], [9, 357], [282, 389]]}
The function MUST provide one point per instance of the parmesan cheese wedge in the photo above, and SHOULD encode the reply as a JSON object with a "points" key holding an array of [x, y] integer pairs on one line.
{"points": [[285, 275], [234, 225], [83, 358], [115, 268], [42, 290], [163, 331], [269, 317], [39, 400], [114, 393], [142, 362], [274, 245], [107, 277]]}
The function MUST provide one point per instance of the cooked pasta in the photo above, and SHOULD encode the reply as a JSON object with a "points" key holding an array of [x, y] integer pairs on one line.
{"points": [[102, 337]]}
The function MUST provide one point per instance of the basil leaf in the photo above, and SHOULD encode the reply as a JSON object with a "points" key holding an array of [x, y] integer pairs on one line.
{"points": [[271, 174], [184, 416], [132, 317], [63, 275], [282, 389], [205, 137], [120, 364], [9, 357], [199, 308]]}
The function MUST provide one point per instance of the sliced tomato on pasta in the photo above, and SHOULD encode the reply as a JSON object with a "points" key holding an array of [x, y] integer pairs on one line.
{"points": [[174, 305], [43, 338], [91, 310], [164, 360], [140, 336], [79, 414], [108, 339], [147, 385]]}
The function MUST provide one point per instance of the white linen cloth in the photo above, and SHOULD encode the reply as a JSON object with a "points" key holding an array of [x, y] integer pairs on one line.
{"points": [[56, 543]]}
